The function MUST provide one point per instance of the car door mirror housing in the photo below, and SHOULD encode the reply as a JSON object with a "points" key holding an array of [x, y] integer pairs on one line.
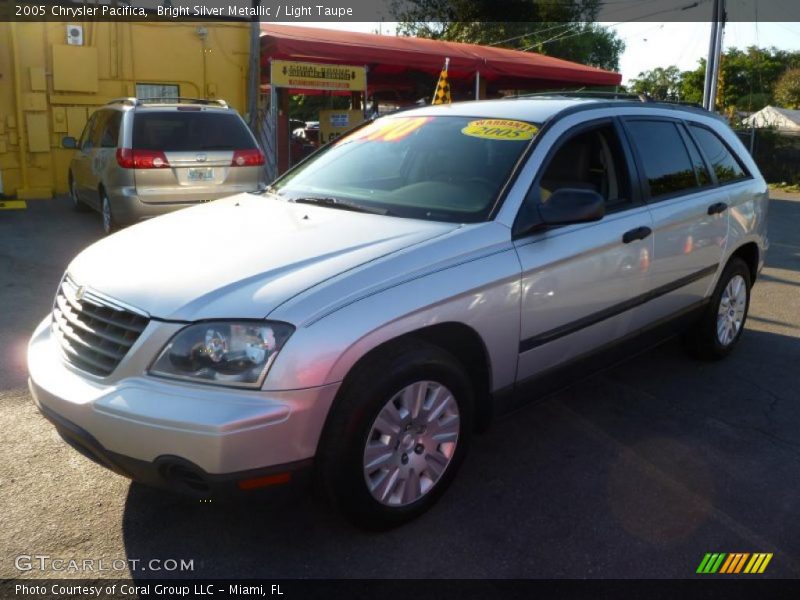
{"points": [[572, 205], [69, 142]]}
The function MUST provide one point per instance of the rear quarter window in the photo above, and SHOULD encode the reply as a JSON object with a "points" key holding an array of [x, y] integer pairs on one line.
{"points": [[726, 166], [186, 131]]}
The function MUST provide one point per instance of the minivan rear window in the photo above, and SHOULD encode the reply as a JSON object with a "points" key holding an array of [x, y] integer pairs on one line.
{"points": [[190, 131]]}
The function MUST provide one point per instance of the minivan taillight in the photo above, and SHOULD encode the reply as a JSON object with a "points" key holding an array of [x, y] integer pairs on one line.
{"points": [[141, 159], [247, 158]]}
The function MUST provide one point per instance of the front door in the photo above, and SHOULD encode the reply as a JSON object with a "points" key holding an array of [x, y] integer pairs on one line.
{"points": [[580, 283]]}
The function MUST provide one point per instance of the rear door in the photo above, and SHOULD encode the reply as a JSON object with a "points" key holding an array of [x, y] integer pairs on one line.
{"points": [[189, 154], [689, 216], [580, 283]]}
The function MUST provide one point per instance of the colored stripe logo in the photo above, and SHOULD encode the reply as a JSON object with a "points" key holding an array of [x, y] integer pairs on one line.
{"points": [[734, 563]]}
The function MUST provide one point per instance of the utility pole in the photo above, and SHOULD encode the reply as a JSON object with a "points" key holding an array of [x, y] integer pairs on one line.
{"points": [[714, 54], [254, 68]]}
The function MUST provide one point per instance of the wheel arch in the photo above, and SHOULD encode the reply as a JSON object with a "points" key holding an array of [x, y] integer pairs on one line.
{"points": [[750, 254], [457, 338]]}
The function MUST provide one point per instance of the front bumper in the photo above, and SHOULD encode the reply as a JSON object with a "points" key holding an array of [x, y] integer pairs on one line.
{"points": [[151, 429]]}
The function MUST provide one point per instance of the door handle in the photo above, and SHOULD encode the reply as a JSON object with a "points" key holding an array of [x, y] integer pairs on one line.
{"points": [[717, 208], [636, 234]]}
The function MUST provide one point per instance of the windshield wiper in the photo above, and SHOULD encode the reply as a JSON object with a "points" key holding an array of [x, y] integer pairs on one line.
{"points": [[341, 204]]}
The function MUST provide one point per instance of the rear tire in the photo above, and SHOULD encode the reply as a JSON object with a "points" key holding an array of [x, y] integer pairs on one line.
{"points": [[396, 436], [77, 204], [110, 224], [719, 329]]}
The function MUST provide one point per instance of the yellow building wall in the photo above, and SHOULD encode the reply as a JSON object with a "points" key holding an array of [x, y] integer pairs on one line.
{"points": [[48, 89]]}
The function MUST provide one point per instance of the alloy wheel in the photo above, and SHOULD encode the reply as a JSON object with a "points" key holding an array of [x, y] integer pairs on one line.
{"points": [[411, 443], [730, 314]]}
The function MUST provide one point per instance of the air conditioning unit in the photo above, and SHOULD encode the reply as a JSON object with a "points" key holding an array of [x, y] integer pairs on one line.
{"points": [[75, 35]]}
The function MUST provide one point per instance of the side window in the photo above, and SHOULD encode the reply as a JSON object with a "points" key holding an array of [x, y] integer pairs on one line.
{"points": [[664, 157], [725, 165], [100, 120], [591, 160], [110, 133], [700, 169], [87, 132]]}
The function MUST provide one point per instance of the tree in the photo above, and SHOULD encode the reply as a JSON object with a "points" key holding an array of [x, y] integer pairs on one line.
{"points": [[560, 29], [747, 77], [787, 90], [660, 83]]}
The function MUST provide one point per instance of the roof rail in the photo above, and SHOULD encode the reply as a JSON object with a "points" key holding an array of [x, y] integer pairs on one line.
{"points": [[603, 95], [178, 100], [586, 94]]}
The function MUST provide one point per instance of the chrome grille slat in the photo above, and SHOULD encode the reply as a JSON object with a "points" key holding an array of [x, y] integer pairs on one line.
{"points": [[75, 321], [67, 331], [94, 334]]}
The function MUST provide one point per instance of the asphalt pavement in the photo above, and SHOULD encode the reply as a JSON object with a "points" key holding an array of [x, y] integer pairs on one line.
{"points": [[637, 472]]}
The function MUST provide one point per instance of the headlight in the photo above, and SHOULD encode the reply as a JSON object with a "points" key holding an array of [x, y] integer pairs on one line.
{"points": [[237, 353]]}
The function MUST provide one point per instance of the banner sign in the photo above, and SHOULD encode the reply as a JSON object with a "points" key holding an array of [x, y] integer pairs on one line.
{"points": [[318, 76], [333, 123]]}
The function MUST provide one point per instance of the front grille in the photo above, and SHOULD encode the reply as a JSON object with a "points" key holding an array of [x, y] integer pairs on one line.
{"points": [[94, 332]]}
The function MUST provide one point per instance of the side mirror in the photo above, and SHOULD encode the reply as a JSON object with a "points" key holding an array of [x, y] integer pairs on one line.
{"points": [[69, 142], [571, 205]]}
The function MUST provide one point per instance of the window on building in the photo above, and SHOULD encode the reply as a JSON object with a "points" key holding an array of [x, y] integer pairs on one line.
{"points": [[664, 157], [147, 91], [722, 160]]}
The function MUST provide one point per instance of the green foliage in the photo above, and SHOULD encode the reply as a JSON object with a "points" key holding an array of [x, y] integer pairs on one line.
{"points": [[787, 90], [660, 83], [748, 79], [560, 29]]}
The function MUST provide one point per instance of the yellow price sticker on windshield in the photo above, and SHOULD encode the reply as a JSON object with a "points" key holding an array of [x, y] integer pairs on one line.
{"points": [[500, 129]]}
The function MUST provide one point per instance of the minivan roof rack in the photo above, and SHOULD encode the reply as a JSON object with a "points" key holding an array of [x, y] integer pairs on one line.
{"points": [[178, 100], [167, 100]]}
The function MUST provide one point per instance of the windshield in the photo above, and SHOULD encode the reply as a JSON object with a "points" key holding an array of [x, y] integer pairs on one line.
{"points": [[438, 168]]}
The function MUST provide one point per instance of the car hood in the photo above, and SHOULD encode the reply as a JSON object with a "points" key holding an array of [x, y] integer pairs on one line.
{"points": [[239, 257]]}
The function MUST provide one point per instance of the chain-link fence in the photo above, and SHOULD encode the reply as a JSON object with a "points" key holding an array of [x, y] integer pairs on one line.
{"points": [[776, 154]]}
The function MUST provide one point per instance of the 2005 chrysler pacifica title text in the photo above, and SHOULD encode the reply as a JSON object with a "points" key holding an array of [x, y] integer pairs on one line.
{"points": [[381, 301]]}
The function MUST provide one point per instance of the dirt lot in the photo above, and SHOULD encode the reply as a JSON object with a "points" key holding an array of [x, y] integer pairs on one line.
{"points": [[636, 473]]}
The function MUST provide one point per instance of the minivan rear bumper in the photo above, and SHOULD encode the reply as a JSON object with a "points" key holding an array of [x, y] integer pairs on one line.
{"points": [[129, 205]]}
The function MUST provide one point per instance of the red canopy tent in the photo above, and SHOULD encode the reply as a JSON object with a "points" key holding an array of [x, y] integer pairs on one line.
{"points": [[407, 67], [392, 59]]}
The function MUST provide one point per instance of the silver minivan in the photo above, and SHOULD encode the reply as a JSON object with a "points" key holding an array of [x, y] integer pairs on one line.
{"points": [[358, 321], [137, 159]]}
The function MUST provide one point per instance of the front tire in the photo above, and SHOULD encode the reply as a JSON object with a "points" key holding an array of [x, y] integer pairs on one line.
{"points": [[396, 436], [722, 323], [77, 204]]}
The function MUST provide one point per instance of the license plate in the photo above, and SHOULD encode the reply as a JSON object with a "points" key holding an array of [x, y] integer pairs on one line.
{"points": [[200, 174]]}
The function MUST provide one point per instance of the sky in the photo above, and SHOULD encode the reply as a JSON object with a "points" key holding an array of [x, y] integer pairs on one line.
{"points": [[650, 45]]}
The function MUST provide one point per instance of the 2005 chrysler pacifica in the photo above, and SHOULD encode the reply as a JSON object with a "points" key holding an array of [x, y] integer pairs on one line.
{"points": [[358, 321]]}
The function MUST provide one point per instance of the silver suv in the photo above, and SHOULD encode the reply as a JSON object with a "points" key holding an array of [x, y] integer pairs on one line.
{"points": [[140, 158], [360, 319]]}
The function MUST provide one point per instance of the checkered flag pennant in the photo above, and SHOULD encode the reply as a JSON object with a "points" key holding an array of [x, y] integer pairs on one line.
{"points": [[442, 93]]}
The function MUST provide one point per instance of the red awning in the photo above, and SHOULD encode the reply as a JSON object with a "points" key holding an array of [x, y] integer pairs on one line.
{"points": [[390, 57]]}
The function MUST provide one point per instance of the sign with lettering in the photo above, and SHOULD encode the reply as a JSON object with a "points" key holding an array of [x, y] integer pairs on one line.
{"points": [[318, 76]]}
